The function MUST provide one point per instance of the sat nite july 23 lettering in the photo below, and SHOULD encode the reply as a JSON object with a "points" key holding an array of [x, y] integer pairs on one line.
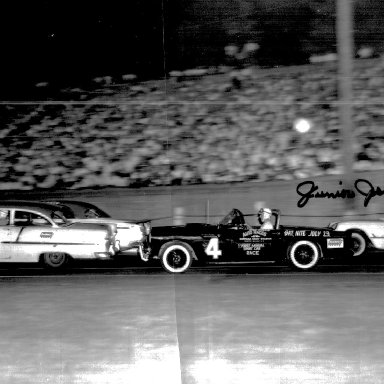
{"points": [[309, 233]]}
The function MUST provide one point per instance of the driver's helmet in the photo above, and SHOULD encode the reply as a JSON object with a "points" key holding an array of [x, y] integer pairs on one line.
{"points": [[264, 214]]}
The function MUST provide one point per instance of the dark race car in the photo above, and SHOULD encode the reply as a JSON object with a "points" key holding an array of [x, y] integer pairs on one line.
{"points": [[234, 241]]}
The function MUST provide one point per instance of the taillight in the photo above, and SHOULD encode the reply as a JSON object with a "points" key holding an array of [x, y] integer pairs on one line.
{"points": [[147, 227], [113, 229]]}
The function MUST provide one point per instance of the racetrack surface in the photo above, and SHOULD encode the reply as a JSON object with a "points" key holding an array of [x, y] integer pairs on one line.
{"points": [[122, 325]]}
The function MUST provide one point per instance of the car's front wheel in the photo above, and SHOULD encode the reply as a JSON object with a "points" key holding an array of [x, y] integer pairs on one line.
{"points": [[55, 260], [176, 256], [304, 254]]}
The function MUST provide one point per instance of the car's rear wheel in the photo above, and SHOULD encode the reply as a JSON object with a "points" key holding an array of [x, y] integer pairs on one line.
{"points": [[359, 244], [304, 254], [55, 260], [176, 256]]}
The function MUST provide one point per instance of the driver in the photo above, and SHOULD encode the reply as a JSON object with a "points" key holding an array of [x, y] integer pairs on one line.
{"points": [[90, 213], [265, 218]]}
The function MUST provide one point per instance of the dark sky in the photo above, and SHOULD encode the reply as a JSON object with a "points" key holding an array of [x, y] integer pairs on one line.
{"points": [[68, 41], [63, 39]]}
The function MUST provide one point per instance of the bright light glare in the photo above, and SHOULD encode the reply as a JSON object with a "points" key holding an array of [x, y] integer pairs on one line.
{"points": [[302, 125]]}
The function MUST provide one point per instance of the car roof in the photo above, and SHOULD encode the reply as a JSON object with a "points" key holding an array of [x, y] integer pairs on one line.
{"points": [[32, 205], [75, 202]]}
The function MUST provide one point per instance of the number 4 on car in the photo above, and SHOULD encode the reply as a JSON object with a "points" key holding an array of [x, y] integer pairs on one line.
{"points": [[213, 248]]}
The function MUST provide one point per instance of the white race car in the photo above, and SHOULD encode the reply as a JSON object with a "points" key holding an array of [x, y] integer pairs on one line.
{"points": [[368, 236], [133, 236], [37, 232]]}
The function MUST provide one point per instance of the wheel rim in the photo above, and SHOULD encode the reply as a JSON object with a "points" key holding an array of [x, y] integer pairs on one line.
{"points": [[176, 258], [55, 259], [358, 244], [304, 255]]}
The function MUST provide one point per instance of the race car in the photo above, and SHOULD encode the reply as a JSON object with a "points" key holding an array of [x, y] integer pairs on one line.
{"points": [[367, 235], [232, 240], [133, 236], [32, 232]]}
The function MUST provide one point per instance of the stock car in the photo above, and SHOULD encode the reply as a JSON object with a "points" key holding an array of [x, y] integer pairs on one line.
{"points": [[133, 236], [34, 232], [234, 241], [367, 235]]}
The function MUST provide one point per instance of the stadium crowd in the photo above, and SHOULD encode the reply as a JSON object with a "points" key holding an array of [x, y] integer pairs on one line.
{"points": [[235, 125]]}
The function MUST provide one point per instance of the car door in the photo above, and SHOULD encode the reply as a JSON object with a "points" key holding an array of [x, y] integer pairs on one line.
{"points": [[34, 232], [9, 235], [256, 244], [245, 244]]}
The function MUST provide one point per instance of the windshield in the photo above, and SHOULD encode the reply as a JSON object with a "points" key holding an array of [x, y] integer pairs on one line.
{"points": [[93, 213], [101, 213], [59, 218], [66, 212], [233, 217], [86, 211]]}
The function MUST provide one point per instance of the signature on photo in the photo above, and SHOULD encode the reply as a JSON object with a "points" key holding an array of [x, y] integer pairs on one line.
{"points": [[309, 190]]}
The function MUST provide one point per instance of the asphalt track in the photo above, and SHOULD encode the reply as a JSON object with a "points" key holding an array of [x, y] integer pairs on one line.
{"points": [[124, 324]]}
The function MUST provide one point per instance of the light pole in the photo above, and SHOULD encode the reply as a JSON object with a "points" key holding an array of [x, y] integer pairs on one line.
{"points": [[345, 48]]}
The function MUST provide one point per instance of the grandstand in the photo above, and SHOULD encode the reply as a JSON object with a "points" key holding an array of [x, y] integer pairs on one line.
{"points": [[224, 127]]}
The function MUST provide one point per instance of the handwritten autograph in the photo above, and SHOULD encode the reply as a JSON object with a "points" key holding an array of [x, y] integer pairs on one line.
{"points": [[309, 190]]}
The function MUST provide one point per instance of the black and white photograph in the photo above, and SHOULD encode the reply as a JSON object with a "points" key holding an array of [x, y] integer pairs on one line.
{"points": [[192, 192]]}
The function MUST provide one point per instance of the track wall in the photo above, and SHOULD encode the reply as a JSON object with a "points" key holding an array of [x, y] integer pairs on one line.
{"points": [[207, 203]]}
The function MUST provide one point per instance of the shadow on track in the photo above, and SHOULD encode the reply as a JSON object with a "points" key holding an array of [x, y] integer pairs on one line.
{"points": [[119, 268]]}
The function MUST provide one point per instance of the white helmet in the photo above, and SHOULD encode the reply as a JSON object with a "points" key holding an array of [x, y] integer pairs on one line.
{"points": [[266, 210], [265, 214]]}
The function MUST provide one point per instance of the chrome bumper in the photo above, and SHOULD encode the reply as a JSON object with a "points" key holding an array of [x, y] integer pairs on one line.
{"points": [[103, 255], [137, 251]]}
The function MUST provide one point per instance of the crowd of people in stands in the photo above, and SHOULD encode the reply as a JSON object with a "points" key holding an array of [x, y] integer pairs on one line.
{"points": [[236, 125]]}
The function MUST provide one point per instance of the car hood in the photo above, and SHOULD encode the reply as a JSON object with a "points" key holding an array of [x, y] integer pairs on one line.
{"points": [[105, 221], [358, 224]]}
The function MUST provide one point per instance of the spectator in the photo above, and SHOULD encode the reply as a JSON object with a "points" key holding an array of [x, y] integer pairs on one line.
{"points": [[209, 130]]}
